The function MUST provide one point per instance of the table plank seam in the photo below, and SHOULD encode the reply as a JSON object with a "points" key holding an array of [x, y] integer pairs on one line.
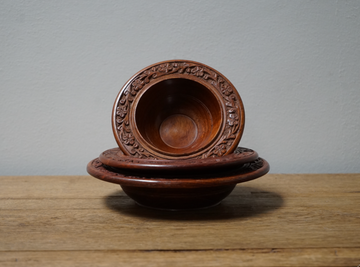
{"points": [[270, 250]]}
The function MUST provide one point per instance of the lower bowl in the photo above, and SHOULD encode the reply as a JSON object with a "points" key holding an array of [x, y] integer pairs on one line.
{"points": [[179, 193]]}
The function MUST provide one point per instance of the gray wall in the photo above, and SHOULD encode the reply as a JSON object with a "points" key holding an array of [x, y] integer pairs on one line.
{"points": [[296, 65]]}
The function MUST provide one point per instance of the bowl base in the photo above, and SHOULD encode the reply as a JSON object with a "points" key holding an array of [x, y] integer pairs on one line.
{"points": [[178, 198]]}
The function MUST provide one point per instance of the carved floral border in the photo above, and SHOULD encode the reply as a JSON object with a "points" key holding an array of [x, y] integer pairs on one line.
{"points": [[113, 155], [232, 103]]}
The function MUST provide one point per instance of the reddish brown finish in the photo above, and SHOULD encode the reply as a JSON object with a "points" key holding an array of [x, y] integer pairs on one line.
{"points": [[178, 109], [178, 198], [180, 193], [176, 117], [116, 158], [178, 131], [177, 124]]}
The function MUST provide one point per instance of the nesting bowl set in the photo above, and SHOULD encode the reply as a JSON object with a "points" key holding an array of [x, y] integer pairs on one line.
{"points": [[178, 124]]}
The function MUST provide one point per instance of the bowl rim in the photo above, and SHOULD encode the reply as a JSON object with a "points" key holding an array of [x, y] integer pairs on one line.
{"points": [[115, 158], [251, 171], [234, 117]]}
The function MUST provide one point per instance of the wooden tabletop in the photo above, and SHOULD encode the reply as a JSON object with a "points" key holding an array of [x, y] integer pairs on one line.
{"points": [[276, 220]]}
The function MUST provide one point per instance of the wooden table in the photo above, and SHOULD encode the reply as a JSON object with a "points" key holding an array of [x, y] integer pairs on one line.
{"points": [[277, 220]]}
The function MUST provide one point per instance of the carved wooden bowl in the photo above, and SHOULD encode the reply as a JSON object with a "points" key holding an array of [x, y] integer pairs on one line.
{"points": [[115, 158], [178, 109], [179, 193]]}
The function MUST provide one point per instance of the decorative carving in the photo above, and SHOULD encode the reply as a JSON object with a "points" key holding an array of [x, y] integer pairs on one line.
{"points": [[113, 154], [242, 150], [97, 164], [118, 162], [255, 165], [233, 106]]}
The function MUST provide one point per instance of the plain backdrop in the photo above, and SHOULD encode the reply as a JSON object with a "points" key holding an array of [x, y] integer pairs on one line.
{"points": [[296, 65]]}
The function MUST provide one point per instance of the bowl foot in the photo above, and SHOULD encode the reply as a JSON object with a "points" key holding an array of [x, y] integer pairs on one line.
{"points": [[178, 198]]}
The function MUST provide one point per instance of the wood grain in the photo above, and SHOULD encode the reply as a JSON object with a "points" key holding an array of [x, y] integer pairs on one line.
{"points": [[277, 220]]}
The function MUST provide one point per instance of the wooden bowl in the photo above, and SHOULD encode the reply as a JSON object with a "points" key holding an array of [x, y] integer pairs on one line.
{"points": [[115, 158], [178, 109], [183, 193]]}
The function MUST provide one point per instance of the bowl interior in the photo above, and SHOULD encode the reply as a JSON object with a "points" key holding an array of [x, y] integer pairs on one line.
{"points": [[178, 116]]}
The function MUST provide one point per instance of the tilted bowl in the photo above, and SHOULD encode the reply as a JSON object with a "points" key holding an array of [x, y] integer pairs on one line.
{"points": [[178, 109]]}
